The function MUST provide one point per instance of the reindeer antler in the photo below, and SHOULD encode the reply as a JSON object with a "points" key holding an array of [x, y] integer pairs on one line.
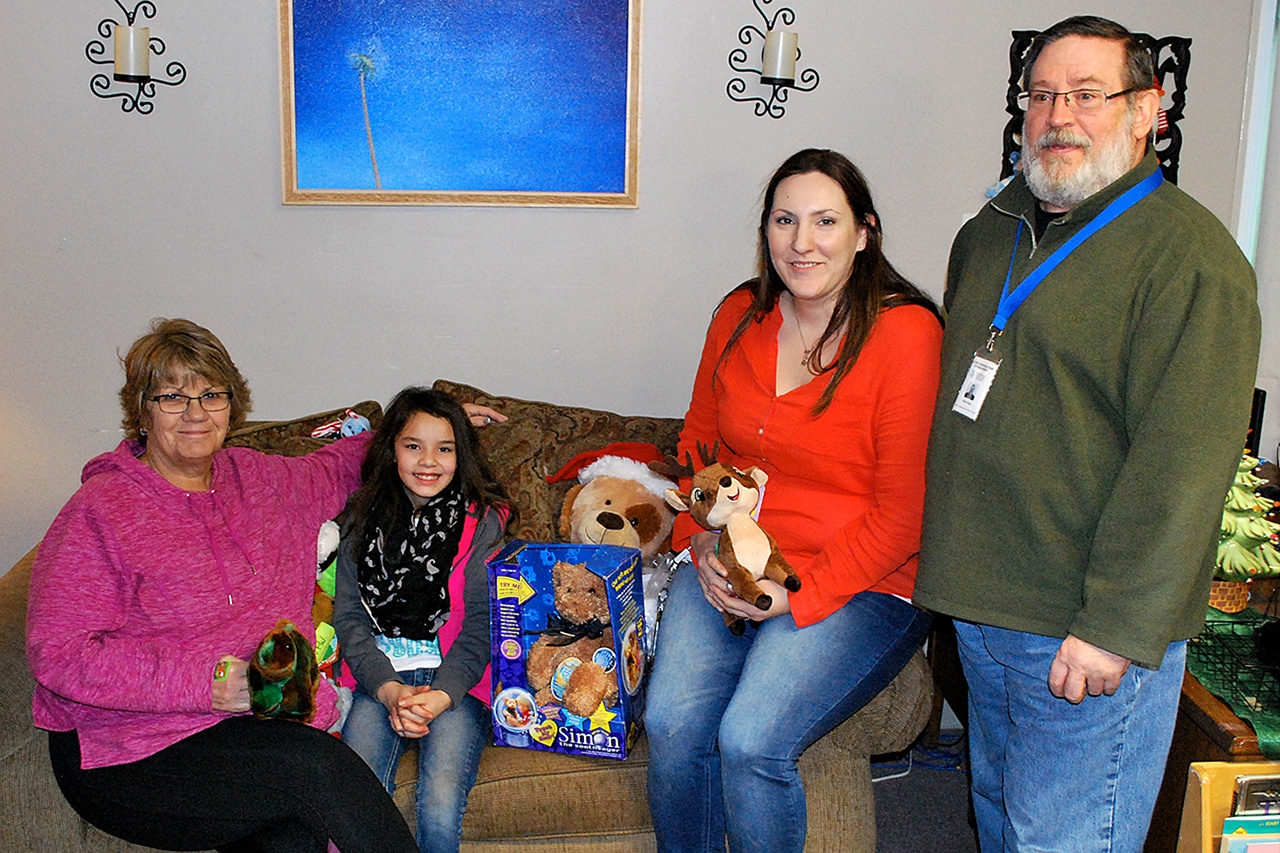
{"points": [[708, 459], [671, 468]]}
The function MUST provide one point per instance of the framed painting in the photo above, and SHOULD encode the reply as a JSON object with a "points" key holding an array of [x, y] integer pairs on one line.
{"points": [[525, 102]]}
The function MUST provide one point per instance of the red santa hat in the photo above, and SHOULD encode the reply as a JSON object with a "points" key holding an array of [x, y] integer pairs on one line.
{"points": [[626, 460]]}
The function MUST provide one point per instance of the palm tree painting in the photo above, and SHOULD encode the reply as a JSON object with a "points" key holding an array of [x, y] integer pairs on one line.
{"points": [[520, 102], [366, 66]]}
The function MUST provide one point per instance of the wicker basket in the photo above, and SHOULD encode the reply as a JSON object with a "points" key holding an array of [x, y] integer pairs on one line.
{"points": [[1229, 596]]}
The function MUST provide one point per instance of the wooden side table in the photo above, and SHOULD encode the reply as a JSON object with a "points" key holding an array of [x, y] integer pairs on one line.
{"points": [[1207, 730]]}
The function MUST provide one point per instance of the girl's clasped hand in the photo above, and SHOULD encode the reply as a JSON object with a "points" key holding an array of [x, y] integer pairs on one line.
{"points": [[410, 710]]}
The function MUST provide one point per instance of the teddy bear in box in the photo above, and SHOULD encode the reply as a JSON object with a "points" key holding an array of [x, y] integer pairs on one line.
{"points": [[563, 668]]}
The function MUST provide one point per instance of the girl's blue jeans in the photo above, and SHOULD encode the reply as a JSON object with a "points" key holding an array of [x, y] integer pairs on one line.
{"points": [[1051, 776], [728, 716], [448, 756]]}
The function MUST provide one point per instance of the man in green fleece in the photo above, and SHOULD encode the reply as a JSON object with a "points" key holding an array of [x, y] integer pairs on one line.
{"points": [[1101, 348]]}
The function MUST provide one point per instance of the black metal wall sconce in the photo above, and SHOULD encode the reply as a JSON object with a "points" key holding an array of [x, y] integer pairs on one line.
{"points": [[131, 60], [778, 58]]}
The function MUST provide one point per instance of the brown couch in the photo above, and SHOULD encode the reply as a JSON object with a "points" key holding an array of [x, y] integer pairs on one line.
{"points": [[522, 800]]}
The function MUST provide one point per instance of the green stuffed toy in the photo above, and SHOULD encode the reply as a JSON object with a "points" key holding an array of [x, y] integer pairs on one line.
{"points": [[283, 676]]}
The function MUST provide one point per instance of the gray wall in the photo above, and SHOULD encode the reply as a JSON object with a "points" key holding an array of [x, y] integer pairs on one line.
{"points": [[109, 219]]}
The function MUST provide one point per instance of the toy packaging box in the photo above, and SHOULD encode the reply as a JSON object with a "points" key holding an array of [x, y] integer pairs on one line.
{"points": [[538, 648]]}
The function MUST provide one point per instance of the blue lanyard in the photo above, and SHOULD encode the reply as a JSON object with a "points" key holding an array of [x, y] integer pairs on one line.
{"points": [[1010, 302]]}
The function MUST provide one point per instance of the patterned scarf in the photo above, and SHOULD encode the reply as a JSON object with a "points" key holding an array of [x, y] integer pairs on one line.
{"points": [[404, 583]]}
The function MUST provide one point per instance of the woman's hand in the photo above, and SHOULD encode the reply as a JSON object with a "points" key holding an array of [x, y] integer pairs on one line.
{"points": [[781, 604], [231, 685], [482, 415], [715, 585], [711, 572]]}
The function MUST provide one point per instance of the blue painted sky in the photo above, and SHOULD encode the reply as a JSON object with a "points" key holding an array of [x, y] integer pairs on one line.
{"points": [[468, 95]]}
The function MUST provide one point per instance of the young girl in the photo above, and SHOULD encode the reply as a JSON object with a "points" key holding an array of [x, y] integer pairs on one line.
{"points": [[412, 606]]}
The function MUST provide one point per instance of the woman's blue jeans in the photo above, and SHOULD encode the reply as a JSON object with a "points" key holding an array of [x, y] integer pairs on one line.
{"points": [[1049, 776], [728, 716], [447, 758]]}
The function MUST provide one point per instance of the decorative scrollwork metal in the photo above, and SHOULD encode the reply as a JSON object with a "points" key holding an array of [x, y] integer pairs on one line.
{"points": [[140, 99], [1171, 56], [737, 87]]}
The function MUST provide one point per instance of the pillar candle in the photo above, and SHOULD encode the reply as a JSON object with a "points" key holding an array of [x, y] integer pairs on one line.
{"points": [[780, 50], [133, 54]]}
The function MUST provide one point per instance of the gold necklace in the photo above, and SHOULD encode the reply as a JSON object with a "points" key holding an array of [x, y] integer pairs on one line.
{"points": [[808, 350]]}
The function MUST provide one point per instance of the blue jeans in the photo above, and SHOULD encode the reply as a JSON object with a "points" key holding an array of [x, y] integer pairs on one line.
{"points": [[1051, 776], [447, 758], [729, 716]]}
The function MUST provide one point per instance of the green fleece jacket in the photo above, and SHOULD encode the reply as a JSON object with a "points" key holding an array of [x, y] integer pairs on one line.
{"points": [[1086, 497]]}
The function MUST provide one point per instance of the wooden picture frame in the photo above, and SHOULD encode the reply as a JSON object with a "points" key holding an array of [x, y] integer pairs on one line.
{"points": [[460, 102]]}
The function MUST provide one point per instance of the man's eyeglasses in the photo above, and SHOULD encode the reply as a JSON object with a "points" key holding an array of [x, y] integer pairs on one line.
{"points": [[177, 404], [1079, 101]]}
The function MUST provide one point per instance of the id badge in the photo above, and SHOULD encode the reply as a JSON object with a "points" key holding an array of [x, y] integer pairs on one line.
{"points": [[977, 382]]}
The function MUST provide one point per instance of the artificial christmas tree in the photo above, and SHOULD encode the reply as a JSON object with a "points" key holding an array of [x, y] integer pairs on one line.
{"points": [[1246, 549]]}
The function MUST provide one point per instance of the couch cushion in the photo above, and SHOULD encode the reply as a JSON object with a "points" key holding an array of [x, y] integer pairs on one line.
{"points": [[540, 438], [522, 794], [293, 437]]}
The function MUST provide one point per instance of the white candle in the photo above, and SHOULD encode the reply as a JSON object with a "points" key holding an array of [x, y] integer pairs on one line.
{"points": [[780, 51], [133, 54]]}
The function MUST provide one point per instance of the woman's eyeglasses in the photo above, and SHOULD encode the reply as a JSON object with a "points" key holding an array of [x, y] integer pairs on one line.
{"points": [[177, 404]]}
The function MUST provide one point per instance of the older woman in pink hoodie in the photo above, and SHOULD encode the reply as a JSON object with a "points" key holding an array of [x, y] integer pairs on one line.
{"points": [[150, 592]]}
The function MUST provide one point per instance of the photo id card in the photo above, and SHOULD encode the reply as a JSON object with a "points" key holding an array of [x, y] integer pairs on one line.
{"points": [[977, 382]]}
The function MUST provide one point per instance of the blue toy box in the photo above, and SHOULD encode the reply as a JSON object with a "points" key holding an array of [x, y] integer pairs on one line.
{"points": [[523, 609]]}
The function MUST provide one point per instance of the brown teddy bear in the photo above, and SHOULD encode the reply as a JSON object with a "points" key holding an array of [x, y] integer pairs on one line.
{"points": [[618, 500], [562, 665]]}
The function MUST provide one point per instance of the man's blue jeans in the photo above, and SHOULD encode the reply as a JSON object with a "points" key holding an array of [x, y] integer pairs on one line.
{"points": [[1051, 776], [728, 716], [448, 757]]}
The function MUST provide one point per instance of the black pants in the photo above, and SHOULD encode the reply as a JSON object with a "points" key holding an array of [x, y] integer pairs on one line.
{"points": [[243, 785]]}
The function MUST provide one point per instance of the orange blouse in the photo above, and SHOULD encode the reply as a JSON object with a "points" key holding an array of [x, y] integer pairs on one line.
{"points": [[846, 489]]}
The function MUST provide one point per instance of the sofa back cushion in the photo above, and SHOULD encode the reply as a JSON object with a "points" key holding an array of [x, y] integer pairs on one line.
{"points": [[540, 438], [293, 437]]}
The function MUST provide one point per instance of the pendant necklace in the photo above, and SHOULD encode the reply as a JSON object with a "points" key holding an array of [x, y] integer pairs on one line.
{"points": [[804, 358]]}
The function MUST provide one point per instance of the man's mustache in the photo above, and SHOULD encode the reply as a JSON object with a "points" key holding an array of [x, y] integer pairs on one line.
{"points": [[1063, 136]]}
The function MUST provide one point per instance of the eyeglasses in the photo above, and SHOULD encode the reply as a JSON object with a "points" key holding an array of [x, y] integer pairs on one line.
{"points": [[177, 404], [1079, 101]]}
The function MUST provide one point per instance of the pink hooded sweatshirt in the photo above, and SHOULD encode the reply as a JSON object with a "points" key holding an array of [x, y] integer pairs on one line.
{"points": [[140, 587]]}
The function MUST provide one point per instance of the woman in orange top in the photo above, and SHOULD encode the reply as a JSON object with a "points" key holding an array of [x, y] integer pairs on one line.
{"points": [[822, 371]]}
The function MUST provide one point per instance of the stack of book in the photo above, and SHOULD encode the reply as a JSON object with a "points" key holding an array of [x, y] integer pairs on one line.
{"points": [[1254, 824]]}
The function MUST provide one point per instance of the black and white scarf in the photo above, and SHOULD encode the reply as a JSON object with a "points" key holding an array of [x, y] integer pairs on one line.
{"points": [[404, 583]]}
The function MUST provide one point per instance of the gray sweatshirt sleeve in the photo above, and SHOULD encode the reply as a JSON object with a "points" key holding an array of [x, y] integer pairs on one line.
{"points": [[464, 663], [368, 664]]}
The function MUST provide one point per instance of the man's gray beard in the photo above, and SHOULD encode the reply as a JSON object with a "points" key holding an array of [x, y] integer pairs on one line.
{"points": [[1100, 167]]}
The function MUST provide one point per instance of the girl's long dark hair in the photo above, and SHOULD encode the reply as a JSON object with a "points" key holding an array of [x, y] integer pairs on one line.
{"points": [[381, 503], [873, 286]]}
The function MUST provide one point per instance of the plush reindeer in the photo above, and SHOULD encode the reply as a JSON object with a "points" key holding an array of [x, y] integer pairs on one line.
{"points": [[723, 498]]}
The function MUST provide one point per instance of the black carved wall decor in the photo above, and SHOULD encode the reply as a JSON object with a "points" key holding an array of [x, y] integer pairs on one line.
{"points": [[1172, 58]]}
